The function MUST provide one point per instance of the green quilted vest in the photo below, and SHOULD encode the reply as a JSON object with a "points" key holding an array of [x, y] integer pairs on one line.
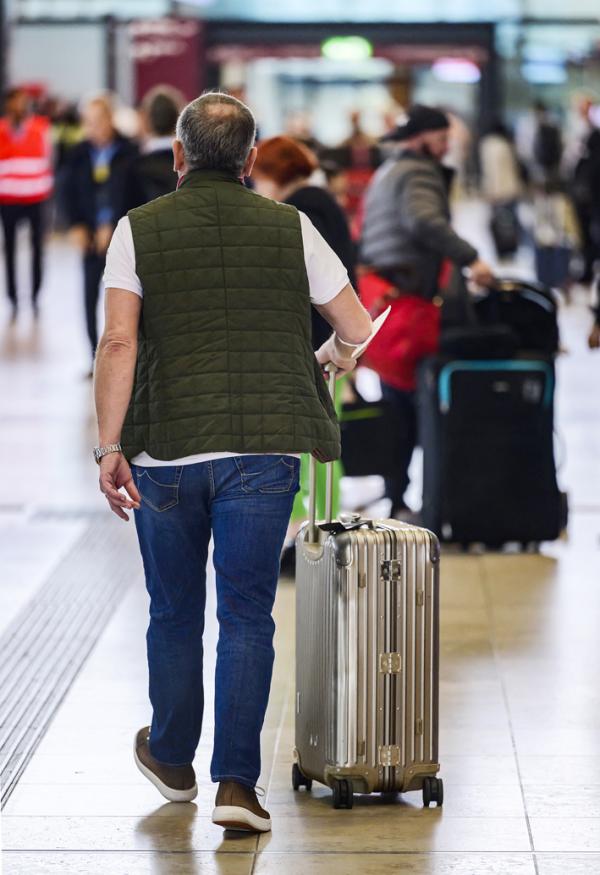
{"points": [[225, 362]]}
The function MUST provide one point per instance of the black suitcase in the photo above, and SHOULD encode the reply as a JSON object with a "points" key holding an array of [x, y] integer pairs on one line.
{"points": [[553, 265], [529, 309], [372, 424], [486, 428], [505, 230]]}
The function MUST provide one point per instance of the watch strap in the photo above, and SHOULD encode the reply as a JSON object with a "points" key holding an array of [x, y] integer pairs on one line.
{"points": [[100, 452]]}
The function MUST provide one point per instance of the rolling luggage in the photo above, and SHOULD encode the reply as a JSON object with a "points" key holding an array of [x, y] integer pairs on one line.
{"points": [[528, 309], [486, 428], [556, 234], [505, 229], [372, 424], [553, 265], [367, 652]]}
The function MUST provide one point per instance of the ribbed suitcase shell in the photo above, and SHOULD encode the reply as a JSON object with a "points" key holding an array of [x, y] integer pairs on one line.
{"points": [[367, 655]]}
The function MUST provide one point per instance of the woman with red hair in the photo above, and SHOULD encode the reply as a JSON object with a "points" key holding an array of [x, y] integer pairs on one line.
{"points": [[283, 172]]}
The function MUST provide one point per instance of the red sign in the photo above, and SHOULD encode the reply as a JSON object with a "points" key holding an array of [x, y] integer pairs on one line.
{"points": [[167, 51]]}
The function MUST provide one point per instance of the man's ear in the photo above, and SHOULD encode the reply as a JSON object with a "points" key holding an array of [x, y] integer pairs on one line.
{"points": [[250, 161], [178, 157]]}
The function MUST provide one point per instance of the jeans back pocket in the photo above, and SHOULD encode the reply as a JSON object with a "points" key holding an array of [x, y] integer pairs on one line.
{"points": [[268, 474], [159, 487]]}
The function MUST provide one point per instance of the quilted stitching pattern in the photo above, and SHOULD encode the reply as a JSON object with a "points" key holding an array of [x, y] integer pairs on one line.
{"points": [[224, 361]]}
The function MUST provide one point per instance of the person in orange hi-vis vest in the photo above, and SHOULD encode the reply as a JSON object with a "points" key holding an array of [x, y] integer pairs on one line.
{"points": [[26, 183]]}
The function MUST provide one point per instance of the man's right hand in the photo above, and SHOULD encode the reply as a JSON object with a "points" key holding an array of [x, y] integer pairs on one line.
{"points": [[481, 273], [331, 352]]}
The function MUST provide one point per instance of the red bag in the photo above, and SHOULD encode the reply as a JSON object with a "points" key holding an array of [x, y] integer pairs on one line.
{"points": [[410, 333]]}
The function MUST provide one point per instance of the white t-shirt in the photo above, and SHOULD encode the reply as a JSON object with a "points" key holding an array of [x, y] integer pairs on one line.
{"points": [[327, 276]]}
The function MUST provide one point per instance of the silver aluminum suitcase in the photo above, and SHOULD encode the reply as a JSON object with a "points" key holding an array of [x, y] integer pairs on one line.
{"points": [[367, 655]]}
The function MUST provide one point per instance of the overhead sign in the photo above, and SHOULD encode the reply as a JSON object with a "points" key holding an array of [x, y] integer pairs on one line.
{"points": [[167, 51], [347, 48]]}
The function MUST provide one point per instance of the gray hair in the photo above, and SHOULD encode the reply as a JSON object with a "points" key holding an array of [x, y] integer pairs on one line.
{"points": [[217, 132]]}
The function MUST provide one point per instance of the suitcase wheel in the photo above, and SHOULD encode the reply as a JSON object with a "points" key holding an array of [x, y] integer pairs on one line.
{"points": [[298, 779], [343, 794], [433, 791]]}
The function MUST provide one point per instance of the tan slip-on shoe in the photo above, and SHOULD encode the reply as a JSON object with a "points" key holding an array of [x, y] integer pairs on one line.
{"points": [[236, 807], [176, 783]]}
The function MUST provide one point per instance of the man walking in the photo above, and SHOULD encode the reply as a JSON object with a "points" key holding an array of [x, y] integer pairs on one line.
{"points": [[409, 241], [93, 197], [26, 182], [151, 174], [207, 390]]}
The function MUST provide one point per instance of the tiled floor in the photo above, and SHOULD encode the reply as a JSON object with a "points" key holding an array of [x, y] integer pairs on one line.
{"points": [[520, 669]]}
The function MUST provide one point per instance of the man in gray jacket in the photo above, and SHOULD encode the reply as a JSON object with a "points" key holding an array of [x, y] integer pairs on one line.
{"points": [[408, 238], [407, 232]]}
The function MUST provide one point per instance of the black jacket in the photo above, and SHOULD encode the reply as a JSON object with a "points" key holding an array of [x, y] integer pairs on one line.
{"points": [[149, 176], [79, 195], [328, 218]]}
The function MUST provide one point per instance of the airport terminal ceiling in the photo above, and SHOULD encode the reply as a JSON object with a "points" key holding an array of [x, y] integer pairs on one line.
{"points": [[310, 10], [530, 48]]}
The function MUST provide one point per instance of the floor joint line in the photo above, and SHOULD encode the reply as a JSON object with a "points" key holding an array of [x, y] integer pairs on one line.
{"points": [[490, 613]]}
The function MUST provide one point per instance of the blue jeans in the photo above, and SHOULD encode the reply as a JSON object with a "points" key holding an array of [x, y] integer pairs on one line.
{"points": [[245, 502]]}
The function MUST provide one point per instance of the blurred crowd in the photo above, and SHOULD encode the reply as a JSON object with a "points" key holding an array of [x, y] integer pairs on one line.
{"points": [[79, 169], [555, 169], [545, 163]]}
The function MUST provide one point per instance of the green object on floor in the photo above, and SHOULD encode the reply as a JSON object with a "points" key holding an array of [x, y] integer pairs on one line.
{"points": [[300, 509]]}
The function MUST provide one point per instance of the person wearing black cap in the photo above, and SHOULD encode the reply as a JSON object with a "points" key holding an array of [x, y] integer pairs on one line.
{"points": [[408, 239], [407, 226]]}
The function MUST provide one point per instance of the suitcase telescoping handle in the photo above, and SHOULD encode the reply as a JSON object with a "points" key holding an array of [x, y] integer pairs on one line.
{"points": [[331, 370]]}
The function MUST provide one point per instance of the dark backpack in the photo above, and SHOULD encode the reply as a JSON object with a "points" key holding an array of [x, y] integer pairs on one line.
{"points": [[547, 147]]}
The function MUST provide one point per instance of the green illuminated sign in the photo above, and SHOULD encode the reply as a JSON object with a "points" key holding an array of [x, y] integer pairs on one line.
{"points": [[347, 48]]}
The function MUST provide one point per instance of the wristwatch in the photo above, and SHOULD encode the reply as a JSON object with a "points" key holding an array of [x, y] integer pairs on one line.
{"points": [[100, 452]]}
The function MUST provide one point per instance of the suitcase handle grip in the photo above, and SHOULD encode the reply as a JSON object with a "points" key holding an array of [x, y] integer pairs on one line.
{"points": [[313, 536], [338, 528]]}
